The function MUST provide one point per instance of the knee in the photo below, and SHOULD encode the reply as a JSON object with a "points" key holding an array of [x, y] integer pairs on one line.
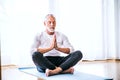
{"points": [[79, 54], [36, 54]]}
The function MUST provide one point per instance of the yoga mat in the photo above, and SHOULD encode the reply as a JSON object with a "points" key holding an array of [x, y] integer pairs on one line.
{"points": [[76, 76]]}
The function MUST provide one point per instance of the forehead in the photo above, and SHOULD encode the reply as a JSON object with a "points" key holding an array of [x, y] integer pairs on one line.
{"points": [[50, 18]]}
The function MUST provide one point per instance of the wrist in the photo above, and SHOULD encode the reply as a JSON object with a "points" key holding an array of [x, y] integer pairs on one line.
{"points": [[50, 48], [57, 48]]}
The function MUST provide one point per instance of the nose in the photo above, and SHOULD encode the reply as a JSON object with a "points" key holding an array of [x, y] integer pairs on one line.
{"points": [[51, 24]]}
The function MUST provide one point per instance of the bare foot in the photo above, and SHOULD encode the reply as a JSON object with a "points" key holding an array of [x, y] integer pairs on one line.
{"points": [[49, 72], [70, 70]]}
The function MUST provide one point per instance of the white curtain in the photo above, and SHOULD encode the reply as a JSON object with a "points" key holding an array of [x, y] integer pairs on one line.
{"points": [[111, 28], [20, 21], [92, 26]]}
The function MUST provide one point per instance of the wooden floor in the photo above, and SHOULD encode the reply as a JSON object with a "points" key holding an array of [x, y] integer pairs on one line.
{"points": [[109, 69]]}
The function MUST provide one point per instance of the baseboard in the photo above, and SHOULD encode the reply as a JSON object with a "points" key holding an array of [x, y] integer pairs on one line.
{"points": [[106, 60], [8, 65]]}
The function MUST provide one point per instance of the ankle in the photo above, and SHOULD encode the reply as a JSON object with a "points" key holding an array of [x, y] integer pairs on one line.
{"points": [[70, 70], [57, 70]]}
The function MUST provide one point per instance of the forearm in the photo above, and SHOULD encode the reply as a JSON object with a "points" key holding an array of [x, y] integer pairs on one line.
{"points": [[64, 50], [43, 50]]}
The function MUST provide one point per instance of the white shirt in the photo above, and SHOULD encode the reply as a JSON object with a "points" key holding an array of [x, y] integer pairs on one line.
{"points": [[44, 40]]}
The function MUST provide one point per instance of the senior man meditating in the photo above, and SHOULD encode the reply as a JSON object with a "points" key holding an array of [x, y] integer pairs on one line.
{"points": [[47, 48]]}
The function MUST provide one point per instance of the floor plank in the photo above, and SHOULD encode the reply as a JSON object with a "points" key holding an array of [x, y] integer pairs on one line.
{"points": [[105, 69]]}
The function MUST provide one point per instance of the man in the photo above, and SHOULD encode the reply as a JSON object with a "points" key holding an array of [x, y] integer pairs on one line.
{"points": [[47, 48]]}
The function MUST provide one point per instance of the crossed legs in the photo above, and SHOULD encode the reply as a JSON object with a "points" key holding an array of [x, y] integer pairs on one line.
{"points": [[58, 65]]}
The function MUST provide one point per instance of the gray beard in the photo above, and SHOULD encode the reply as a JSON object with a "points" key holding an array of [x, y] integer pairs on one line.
{"points": [[50, 30]]}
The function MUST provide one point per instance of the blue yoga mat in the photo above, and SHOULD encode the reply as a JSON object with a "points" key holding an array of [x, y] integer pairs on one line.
{"points": [[76, 76]]}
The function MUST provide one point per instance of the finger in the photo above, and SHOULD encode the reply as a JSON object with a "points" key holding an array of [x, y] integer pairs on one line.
{"points": [[54, 38]]}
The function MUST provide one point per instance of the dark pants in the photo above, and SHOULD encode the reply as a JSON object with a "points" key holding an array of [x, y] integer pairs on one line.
{"points": [[51, 62]]}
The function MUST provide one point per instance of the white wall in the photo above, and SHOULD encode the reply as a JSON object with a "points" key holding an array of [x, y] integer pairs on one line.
{"points": [[81, 21], [89, 24], [21, 20]]}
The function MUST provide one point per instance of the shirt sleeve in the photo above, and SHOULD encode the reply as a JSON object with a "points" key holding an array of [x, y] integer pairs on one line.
{"points": [[35, 44], [67, 44]]}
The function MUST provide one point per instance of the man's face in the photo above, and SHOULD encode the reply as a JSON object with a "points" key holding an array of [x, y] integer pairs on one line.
{"points": [[50, 24]]}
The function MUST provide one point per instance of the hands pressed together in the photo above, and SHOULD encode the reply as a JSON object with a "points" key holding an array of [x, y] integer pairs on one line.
{"points": [[54, 43], [54, 46]]}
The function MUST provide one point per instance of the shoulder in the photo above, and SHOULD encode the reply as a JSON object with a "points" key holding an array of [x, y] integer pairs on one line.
{"points": [[38, 35], [61, 34]]}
